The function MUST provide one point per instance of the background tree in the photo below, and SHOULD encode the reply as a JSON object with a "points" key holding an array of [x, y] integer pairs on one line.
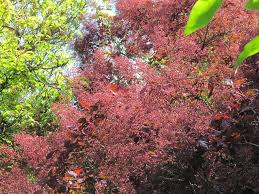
{"points": [[34, 54]]}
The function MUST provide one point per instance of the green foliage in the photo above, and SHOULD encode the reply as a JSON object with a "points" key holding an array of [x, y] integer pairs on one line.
{"points": [[34, 50], [201, 14], [250, 49], [252, 4], [31, 175], [156, 63]]}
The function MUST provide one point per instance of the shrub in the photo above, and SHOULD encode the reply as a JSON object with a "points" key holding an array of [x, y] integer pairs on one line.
{"points": [[169, 128]]}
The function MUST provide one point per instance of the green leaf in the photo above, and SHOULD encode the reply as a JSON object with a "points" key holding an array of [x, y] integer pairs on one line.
{"points": [[250, 49], [201, 14], [6, 140], [252, 4]]}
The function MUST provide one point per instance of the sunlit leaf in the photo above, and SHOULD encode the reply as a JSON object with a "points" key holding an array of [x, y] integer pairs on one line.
{"points": [[252, 5], [236, 135], [201, 14], [78, 171], [114, 88], [238, 83], [85, 104], [221, 116], [250, 49], [251, 93]]}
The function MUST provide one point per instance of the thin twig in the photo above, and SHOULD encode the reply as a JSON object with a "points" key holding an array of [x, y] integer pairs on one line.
{"points": [[250, 143], [205, 37]]}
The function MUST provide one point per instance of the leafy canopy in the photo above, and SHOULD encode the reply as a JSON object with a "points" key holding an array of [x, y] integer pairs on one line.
{"points": [[34, 38]]}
